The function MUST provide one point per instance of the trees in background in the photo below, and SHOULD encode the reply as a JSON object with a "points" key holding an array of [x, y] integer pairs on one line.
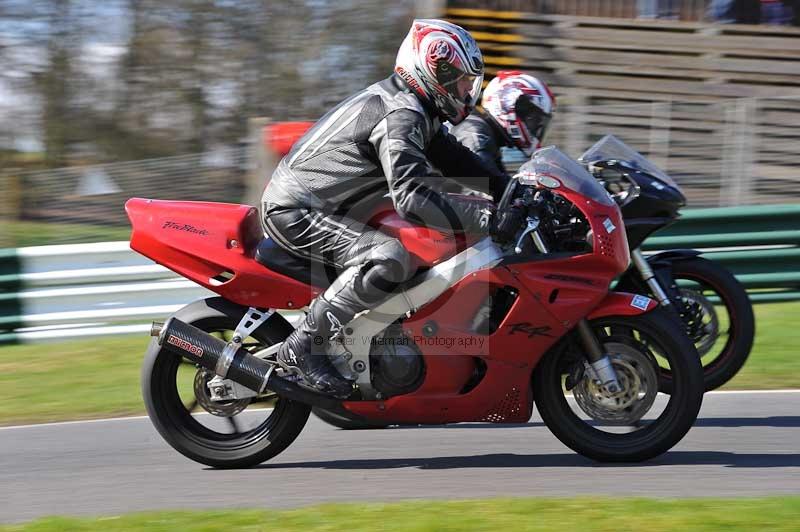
{"points": [[84, 81]]}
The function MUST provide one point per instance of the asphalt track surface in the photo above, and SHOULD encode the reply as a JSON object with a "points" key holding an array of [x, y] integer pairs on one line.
{"points": [[744, 444]]}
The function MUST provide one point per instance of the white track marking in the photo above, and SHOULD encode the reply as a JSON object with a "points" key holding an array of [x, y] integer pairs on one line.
{"points": [[76, 422], [751, 392]]}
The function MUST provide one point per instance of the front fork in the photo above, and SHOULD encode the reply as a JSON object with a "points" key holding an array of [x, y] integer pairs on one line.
{"points": [[599, 362], [650, 278], [671, 300]]}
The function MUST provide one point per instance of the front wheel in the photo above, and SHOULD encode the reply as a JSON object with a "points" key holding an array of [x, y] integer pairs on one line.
{"points": [[718, 317], [229, 434], [636, 423]]}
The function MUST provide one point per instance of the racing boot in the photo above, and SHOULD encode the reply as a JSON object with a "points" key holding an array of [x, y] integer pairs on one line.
{"points": [[303, 352]]}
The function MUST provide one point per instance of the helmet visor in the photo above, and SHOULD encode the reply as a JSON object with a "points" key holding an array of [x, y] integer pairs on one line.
{"points": [[464, 87], [530, 114]]}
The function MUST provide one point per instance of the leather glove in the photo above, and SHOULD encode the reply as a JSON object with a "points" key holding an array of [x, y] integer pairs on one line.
{"points": [[506, 224]]}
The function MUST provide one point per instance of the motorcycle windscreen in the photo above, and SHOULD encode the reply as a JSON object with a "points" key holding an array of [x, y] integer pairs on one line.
{"points": [[550, 163], [611, 148]]}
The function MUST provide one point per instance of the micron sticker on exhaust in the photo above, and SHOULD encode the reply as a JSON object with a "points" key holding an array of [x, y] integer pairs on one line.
{"points": [[180, 343]]}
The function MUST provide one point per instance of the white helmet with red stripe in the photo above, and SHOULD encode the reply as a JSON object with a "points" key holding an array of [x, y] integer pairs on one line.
{"points": [[441, 62], [523, 105]]}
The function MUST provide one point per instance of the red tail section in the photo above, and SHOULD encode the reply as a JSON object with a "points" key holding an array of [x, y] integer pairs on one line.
{"points": [[213, 245]]}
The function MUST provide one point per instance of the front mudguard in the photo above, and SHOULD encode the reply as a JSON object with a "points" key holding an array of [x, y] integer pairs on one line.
{"points": [[673, 255]]}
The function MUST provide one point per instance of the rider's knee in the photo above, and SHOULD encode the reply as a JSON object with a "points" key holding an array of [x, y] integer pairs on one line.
{"points": [[394, 259]]}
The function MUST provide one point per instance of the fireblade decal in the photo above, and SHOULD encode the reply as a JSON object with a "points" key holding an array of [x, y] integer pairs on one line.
{"points": [[184, 227]]}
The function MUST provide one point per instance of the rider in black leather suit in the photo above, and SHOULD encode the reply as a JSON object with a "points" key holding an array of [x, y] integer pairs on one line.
{"points": [[384, 139], [515, 113], [482, 135]]}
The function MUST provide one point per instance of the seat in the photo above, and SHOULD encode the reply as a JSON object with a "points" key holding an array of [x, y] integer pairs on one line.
{"points": [[314, 273]]}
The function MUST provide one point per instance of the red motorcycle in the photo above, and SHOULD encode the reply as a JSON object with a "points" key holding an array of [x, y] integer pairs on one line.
{"points": [[479, 334]]}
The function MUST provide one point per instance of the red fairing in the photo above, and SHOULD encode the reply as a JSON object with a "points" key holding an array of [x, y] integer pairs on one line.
{"points": [[427, 246], [454, 353], [553, 295], [622, 304], [213, 244]]}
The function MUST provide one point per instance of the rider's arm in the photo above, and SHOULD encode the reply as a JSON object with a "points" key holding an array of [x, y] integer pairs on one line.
{"points": [[483, 146], [417, 189], [461, 160], [481, 154]]}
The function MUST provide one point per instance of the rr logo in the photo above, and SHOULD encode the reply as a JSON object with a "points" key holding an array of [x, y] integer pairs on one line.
{"points": [[525, 327]]}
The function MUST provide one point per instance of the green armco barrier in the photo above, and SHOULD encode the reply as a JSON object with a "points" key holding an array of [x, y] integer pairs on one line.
{"points": [[10, 267], [764, 242], [760, 245], [727, 223], [714, 240], [10, 285]]}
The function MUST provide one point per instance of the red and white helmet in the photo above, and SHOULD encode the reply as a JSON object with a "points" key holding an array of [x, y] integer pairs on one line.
{"points": [[441, 62], [523, 105]]}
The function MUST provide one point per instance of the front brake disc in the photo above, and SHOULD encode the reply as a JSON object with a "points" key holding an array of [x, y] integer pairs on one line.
{"points": [[703, 333], [638, 378]]}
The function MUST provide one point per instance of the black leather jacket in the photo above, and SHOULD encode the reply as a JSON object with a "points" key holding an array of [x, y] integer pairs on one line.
{"points": [[484, 137], [385, 139]]}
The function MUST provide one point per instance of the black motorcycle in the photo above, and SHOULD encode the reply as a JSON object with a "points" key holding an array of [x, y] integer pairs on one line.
{"points": [[711, 303]]}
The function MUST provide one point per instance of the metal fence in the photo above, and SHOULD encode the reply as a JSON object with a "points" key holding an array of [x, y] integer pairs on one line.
{"points": [[96, 194], [724, 153]]}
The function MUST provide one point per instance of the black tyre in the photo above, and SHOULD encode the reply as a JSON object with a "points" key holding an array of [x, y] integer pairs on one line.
{"points": [[636, 424], [344, 423], [718, 317], [227, 435]]}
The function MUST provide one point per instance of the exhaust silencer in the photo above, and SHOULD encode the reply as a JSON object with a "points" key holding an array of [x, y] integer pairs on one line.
{"points": [[232, 362]]}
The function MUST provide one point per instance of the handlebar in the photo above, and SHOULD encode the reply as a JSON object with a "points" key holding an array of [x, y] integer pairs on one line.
{"points": [[552, 222]]}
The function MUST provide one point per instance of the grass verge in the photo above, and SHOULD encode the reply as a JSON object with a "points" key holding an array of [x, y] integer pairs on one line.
{"points": [[494, 514], [17, 234], [773, 362], [100, 377], [71, 380]]}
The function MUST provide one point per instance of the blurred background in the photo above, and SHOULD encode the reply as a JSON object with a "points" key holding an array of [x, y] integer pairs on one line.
{"points": [[100, 102], [190, 99]]}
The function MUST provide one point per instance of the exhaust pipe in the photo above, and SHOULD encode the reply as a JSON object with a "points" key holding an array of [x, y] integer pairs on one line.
{"points": [[232, 362]]}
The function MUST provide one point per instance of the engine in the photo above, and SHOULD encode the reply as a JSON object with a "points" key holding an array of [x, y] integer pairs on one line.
{"points": [[396, 364]]}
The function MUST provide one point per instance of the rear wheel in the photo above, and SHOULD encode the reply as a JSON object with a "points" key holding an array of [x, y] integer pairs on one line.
{"points": [[228, 434], [636, 423]]}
